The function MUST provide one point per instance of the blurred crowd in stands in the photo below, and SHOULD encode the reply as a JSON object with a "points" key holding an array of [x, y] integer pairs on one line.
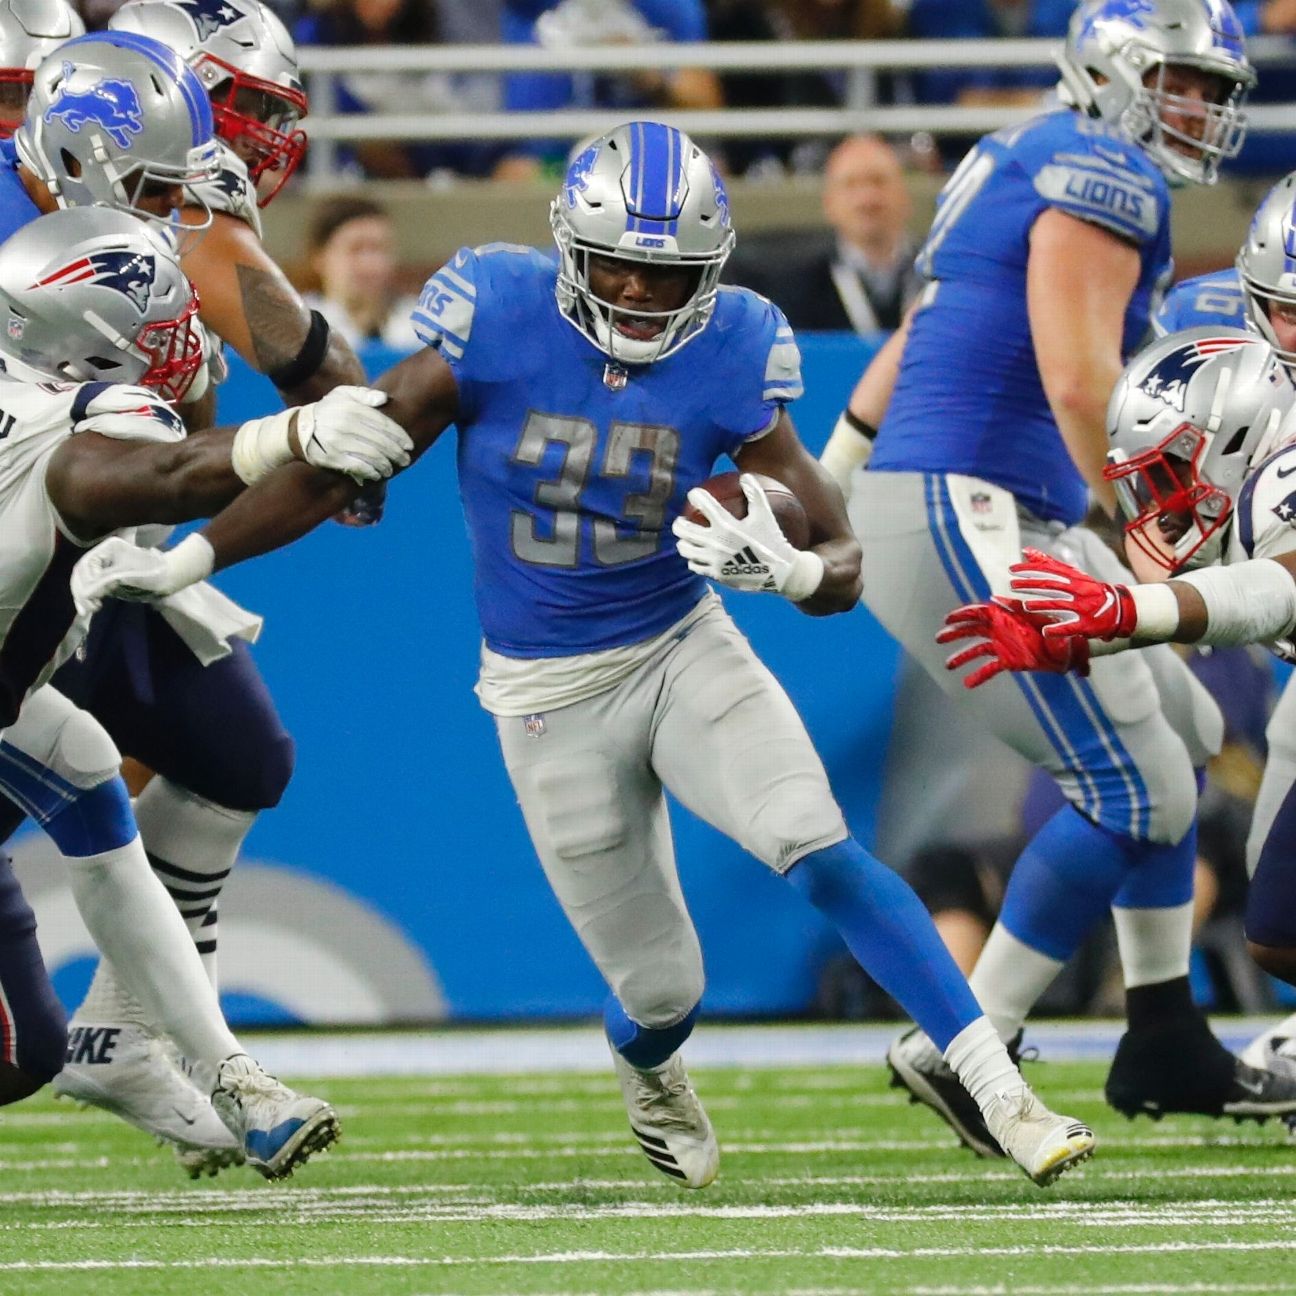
{"points": [[565, 23]]}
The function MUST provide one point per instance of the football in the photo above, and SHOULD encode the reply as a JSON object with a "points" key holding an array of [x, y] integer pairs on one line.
{"points": [[787, 509]]}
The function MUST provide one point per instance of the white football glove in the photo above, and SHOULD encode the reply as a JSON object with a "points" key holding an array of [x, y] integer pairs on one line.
{"points": [[115, 568], [748, 553], [344, 432]]}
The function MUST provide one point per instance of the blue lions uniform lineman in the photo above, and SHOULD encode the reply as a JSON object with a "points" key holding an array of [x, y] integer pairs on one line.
{"points": [[1046, 257], [591, 398]]}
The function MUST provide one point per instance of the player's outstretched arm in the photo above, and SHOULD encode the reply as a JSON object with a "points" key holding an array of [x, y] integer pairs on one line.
{"points": [[421, 397], [1248, 602], [782, 455], [1079, 281], [248, 301]]}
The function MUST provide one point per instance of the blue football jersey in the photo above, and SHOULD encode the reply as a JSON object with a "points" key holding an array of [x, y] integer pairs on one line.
{"points": [[16, 206], [969, 398], [572, 469], [1212, 299]]}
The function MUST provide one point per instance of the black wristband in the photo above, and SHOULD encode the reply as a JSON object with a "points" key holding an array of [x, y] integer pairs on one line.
{"points": [[306, 363], [866, 430]]}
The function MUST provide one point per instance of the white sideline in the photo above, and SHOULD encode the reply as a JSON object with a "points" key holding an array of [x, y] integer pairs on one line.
{"points": [[454, 1051]]}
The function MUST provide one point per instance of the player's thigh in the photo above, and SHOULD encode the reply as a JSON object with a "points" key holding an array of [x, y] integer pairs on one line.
{"points": [[1105, 739], [1279, 774], [213, 730], [730, 746], [597, 819]]}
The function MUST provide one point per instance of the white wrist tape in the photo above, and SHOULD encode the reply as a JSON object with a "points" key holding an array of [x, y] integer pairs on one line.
{"points": [[191, 560], [805, 577], [847, 448], [261, 445], [1108, 647], [1253, 602], [1158, 611]]}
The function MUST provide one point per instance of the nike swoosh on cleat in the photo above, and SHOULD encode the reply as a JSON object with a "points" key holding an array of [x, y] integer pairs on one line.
{"points": [[188, 1120]]}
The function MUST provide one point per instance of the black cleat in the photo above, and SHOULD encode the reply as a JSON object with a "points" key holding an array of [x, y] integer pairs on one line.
{"points": [[1182, 1068], [917, 1066]]}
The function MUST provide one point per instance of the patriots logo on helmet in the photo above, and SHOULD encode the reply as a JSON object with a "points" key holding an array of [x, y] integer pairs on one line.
{"points": [[209, 16], [129, 273], [1168, 380], [110, 103]]}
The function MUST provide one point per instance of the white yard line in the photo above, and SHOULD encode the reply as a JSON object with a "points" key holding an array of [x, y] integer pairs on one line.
{"points": [[649, 1257]]}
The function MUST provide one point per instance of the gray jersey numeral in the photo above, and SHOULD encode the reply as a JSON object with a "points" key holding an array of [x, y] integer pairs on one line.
{"points": [[560, 497]]}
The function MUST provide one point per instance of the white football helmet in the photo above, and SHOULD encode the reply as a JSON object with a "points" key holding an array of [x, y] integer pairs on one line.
{"points": [[1113, 45], [1267, 263], [29, 30], [90, 293], [112, 115], [1187, 420], [642, 192], [245, 58]]}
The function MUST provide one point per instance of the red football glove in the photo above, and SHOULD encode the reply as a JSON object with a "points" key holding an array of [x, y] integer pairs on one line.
{"points": [[1011, 641], [1067, 602]]}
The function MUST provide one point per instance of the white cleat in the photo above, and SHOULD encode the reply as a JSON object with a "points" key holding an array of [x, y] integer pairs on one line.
{"points": [[1274, 1049], [669, 1122], [278, 1128], [1043, 1144], [125, 1070]]}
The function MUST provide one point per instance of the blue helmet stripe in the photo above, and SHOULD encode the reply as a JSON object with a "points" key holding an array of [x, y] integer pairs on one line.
{"points": [[191, 89], [656, 177]]}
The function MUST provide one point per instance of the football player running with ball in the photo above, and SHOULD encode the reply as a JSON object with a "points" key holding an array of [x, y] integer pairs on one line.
{"points": [[592, 397]]}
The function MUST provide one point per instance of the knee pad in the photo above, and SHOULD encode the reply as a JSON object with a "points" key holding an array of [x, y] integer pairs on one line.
{"points": [[662, 995]]}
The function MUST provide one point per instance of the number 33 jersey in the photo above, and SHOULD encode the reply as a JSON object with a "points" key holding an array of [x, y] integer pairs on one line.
{"points": [[36, 553], [969, 397], [571, 468]]}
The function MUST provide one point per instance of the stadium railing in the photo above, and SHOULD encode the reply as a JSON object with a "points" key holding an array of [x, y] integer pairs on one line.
{"points": [[860, 61]]}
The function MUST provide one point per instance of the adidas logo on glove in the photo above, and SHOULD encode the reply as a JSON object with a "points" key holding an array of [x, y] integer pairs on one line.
{"points": [[745, 563]]}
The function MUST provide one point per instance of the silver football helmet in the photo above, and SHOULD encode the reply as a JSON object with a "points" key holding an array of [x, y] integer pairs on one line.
{"points": [[246, 59], [29, 30], [1113, 45], [1267, 263], [1187, 419], [643, 192], [117, 119], [89, 293]]}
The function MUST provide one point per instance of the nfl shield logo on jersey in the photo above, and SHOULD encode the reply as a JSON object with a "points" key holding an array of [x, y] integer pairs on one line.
{"points": [[534, 726], [615, 377], [17, 327], [980, 501]]}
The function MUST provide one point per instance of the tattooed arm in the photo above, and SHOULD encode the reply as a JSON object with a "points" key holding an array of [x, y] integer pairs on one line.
{"points": [[248, 301]]}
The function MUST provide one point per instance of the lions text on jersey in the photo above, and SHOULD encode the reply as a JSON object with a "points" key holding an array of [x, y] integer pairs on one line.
{"points": [[571, 470], [969, 398]]}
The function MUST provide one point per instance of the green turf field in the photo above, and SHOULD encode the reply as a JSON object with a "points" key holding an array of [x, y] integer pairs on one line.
{"points": [[829, 1183]]}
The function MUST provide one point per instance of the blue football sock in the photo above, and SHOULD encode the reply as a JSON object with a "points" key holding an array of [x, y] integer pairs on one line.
{"points": [[1074, 870], [643, 1046], [891, 935]]}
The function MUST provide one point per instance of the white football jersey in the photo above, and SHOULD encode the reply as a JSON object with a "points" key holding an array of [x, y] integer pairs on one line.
{"points": [[36, 552], [1264, 522], [230, 191]]}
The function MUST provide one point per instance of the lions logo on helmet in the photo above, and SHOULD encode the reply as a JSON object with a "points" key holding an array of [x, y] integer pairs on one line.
{"points": [[110, 103], [209, 16], [130, 273]]}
